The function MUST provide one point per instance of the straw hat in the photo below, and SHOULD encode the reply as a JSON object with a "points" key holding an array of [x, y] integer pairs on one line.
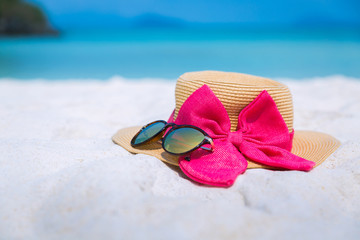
{"points": [[236, 91]]}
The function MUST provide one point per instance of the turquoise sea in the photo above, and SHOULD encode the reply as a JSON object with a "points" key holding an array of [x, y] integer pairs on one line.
{"points": [[167, 53]]}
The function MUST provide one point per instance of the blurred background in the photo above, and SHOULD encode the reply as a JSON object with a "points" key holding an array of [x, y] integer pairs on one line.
{"points": [[67, 39]]}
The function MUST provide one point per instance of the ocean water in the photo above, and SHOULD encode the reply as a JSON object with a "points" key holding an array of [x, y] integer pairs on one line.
{"points": [[167, 53]]}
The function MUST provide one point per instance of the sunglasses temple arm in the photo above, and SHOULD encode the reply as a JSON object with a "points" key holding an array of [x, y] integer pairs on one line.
{"points": [[210, 141]]}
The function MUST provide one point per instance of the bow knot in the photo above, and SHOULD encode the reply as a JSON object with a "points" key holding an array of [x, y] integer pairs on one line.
{"points": [[235, 138], [262, 136]]}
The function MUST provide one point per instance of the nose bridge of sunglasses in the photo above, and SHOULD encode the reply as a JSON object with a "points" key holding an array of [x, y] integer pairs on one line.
{"points": [[167, 128]]}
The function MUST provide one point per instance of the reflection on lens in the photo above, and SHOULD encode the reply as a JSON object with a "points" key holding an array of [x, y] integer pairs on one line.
{"points": [[182, 140], [149, 132]]}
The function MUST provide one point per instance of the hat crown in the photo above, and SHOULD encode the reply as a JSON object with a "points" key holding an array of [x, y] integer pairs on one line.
{"points": [[235, 91]]}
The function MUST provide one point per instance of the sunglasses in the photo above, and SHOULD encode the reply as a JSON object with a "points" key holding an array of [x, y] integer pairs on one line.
{"points": [[178, 139]]}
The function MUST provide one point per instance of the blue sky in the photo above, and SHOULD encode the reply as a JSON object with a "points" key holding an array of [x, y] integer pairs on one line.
{"points": [[87, 13]]}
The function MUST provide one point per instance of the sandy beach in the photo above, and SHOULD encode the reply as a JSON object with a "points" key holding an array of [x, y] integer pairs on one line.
{"points": [[61, 176]]}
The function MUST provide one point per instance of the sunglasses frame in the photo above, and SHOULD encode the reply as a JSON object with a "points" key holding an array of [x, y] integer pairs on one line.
{"points": [[173, 126]]}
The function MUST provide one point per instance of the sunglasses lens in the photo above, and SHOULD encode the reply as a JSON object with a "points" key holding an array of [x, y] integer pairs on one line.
{"points": [[149, 132], [183, 140]]}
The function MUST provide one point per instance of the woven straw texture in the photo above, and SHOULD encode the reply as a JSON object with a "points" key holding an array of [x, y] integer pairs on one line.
{"points": [[236, 91]]}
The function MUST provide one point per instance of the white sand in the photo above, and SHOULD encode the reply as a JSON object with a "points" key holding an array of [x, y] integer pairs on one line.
{"points": [[61, 176]]}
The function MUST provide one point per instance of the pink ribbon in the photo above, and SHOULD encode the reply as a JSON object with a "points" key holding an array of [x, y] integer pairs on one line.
{"points": [[261, 135]]}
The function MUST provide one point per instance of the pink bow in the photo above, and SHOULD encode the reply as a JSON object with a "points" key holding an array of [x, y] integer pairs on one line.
{"points": [[261, 135]]}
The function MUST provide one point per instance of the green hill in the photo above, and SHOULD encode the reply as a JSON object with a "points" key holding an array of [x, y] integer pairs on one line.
{"points": [[21, 18]]}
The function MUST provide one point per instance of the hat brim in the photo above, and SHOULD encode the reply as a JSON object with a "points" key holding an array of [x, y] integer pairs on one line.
{"points": [[313, 146]]}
